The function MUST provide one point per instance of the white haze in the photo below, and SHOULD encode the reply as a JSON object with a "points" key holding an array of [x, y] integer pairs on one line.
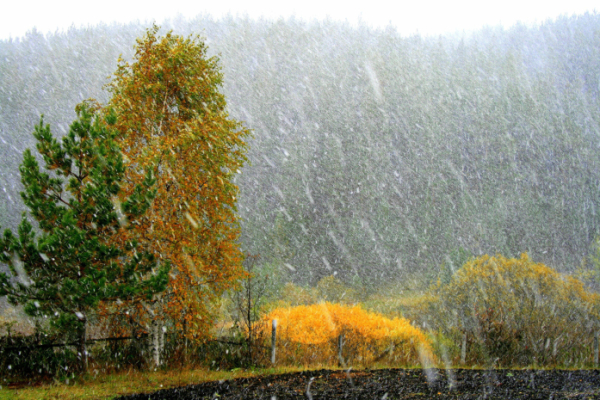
{"points": [[428, 17]]}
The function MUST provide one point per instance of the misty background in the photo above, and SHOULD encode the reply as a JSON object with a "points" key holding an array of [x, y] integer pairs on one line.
{"points": [[375, 155]]}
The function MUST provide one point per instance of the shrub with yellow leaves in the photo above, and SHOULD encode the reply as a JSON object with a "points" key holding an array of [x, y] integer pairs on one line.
{"points": [[309, 334], [516, 312]]}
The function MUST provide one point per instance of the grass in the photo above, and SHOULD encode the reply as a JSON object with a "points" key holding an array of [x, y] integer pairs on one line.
{"points": [[104, 387], [110, 386]]}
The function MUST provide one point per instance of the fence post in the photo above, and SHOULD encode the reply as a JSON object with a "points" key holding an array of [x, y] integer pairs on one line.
{"points": [[463, 350], [273, 340], [340, 346], [596, 349]]}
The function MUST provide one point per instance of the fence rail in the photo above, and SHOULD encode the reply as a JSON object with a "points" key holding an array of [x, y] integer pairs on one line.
{"points": [[272, 347], [90, 341], [74, 344]]}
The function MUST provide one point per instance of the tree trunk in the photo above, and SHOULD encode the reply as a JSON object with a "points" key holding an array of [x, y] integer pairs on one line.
{"points": [[157, 342], [185, 342]]}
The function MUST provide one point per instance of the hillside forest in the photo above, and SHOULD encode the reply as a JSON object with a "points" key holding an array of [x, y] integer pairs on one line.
{"points": [[373, 154]]}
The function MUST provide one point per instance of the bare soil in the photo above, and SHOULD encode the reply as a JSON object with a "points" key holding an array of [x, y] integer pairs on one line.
{"points": [[397, 384]]}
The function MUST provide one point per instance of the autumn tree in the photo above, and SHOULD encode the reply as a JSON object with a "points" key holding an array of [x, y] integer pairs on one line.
{"points": [[83, 254], [171, 116]]}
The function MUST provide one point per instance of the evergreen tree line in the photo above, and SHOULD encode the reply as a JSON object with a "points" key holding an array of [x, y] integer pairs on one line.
{"points": [[374, 154]]}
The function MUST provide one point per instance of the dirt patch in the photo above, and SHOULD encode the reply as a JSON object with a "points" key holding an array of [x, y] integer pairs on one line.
{"points": [[397, 384]]}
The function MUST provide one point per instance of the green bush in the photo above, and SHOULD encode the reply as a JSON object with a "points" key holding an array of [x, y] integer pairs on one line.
{"points": [[333, 290], [33, 358], [328, 289], [514, 312]]}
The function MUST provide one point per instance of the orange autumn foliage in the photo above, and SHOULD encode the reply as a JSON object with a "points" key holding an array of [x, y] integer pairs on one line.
{"points": [[172, 118], [309, 334]]}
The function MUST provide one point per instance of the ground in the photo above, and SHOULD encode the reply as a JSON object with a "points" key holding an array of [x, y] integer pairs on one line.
{"points": [[397, 384]]}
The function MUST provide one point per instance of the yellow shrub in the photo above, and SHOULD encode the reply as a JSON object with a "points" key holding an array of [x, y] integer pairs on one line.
{"points": [[309, 334], [516, 311]]}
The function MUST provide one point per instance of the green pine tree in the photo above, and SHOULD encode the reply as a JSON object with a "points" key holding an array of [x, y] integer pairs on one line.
{"points": [[67, 267]]}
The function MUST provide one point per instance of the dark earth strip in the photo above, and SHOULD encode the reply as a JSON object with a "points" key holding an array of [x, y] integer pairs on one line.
{"points": [[397, 384]]}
